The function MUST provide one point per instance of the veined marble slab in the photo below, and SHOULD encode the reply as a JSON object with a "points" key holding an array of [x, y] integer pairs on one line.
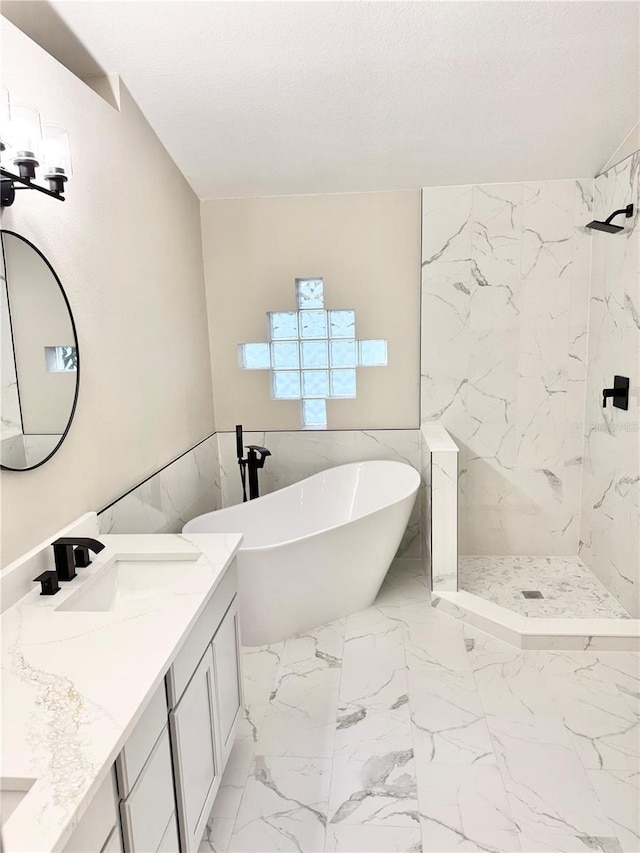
{"points": [[610, 517], [187, 487], [505, 294]]}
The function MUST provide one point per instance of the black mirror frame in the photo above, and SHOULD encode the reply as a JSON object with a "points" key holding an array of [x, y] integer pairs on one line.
{"points": [[75, 335]]}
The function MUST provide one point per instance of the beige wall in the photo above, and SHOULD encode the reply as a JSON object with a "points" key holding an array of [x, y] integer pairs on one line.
{"points": [[366, 247], [126, 246]]}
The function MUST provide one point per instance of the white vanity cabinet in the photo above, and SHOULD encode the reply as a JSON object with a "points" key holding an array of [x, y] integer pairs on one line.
{"points": [[204, 687], [168, 772], [145, 783]]}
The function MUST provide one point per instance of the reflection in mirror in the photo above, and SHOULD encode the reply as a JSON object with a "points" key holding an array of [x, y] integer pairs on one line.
{"points": [[39, 357]]}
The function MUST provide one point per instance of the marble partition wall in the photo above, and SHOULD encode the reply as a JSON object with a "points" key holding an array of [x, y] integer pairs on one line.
{"points": [[187, 487], [505, 291], [440, 521], [610, 523], [299, 454]]}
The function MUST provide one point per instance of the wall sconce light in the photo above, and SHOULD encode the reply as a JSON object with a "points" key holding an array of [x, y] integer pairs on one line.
{"points": [[36, 151]]}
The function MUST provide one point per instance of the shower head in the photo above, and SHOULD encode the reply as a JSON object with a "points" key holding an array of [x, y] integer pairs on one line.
{"points": [[607, 226]]}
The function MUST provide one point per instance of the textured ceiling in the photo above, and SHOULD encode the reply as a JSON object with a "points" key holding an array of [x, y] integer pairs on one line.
{"points": [[284, 98]]}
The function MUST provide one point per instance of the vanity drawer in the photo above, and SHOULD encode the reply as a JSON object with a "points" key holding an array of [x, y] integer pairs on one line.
{"points": [[141, 741], [200, 636], [96, 824], [147, 810]]}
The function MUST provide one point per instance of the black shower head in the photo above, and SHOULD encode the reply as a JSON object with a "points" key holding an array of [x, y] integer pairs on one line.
{"points": [[607, 226]]}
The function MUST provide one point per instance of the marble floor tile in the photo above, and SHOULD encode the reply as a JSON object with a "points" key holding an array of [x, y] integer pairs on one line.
{"points": [[604, 728], [568, 586], [448, 720], [361, 730], [406, 581], [569, 844], [259, 667], [301, 712], [373, 668], [343, 838], [619, 793], [234, 779], [413, 725], [623, 670], [548, 788], [509, 680], [436, 644], [216, 836], [378, 790], [284, 806], [250, 721], [464, 808]]}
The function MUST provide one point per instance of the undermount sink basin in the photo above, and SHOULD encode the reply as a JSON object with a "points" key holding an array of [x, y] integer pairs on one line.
{"points": [[12, 793], [128, 584]]}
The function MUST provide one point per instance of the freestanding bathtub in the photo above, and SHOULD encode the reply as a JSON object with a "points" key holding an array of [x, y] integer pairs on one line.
{"points": [[317, 550]]}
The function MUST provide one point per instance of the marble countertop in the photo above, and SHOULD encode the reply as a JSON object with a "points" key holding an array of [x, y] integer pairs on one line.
{"points": [[74, 684]]}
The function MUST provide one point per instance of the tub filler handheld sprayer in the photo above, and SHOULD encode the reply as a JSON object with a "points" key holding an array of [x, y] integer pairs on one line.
{"points": [[256, 458]]}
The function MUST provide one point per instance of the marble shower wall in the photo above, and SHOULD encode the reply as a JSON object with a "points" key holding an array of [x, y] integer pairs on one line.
{"points": [[187, 487], [299, 454], [505, 293], [610, 524]]}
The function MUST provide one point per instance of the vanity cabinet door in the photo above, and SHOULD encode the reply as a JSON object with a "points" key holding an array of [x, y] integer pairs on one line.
{"points": [[195, 756], [226, 662]]}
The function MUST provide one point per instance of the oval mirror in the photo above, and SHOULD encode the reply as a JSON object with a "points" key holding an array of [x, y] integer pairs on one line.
{"points": [[39, 357]]}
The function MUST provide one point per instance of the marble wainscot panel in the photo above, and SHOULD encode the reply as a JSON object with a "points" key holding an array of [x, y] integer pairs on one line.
{"points": [[610, 522], [441, 457], [299, 454], [187, 487], [505, 289]]}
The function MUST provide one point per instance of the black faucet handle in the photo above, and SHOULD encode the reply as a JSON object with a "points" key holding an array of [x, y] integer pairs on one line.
{"points": [[49, 582], [72, 551], [81, 556]]}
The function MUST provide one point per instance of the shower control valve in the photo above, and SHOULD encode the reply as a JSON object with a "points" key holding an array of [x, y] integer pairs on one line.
{"points": [[619, 393]]}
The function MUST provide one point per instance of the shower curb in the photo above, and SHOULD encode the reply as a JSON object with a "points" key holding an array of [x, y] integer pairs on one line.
{"points": [[525, 632]]}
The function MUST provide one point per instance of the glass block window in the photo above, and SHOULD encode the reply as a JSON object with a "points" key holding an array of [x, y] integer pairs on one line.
{"points": [[343, 383], [314, 413], [373, 353], [312, 353], [283, 325], [61, 359], [285, 354], [343, 353], [254, 356], [313, 324], [286, 384], [342, 324], [310, 293], [315, 383]]}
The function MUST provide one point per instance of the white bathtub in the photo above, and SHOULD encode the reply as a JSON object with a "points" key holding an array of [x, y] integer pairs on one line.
{"points": [[317, 550]]}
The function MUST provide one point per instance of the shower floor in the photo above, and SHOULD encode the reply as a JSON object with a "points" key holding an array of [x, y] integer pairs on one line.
{"points": [[568, 587]]}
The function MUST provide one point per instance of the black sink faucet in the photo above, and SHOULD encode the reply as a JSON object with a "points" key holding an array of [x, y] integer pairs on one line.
{"points": [[73, 551]]}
